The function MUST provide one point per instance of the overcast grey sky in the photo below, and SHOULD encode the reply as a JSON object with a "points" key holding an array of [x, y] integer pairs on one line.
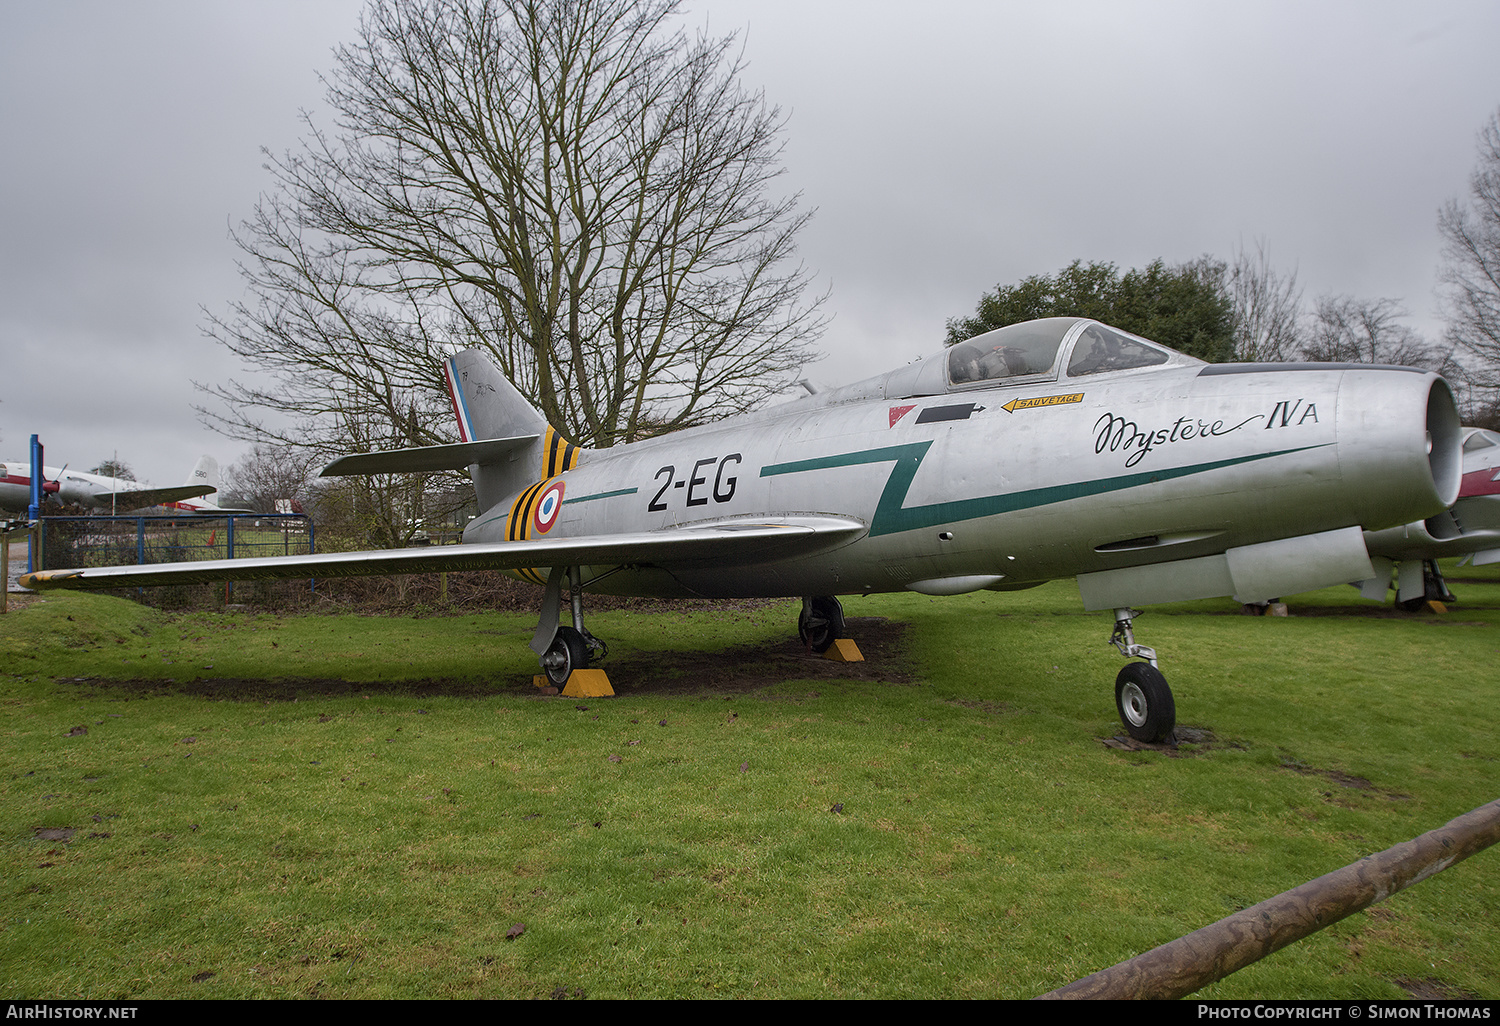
{"points": [[947, 147]]}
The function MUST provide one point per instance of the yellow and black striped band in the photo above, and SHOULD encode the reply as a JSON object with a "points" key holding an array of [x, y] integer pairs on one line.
{"points": [[561, 454]]}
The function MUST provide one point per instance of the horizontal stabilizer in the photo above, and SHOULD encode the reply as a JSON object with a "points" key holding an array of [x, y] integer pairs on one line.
{"points": [[428, 457], [136, 498], [722, 543]]}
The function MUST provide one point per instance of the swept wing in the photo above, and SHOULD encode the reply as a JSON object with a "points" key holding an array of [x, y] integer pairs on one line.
{"points": [[720, 543]]}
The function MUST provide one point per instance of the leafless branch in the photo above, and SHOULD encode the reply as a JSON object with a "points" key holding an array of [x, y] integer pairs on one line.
{"points": [[568, 184]]}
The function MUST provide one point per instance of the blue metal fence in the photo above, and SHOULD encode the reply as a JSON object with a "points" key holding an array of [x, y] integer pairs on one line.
{"points": [[70, 542]]}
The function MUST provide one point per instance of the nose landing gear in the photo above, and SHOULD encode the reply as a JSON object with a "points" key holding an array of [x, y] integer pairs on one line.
{"points": [[1142, 697]]}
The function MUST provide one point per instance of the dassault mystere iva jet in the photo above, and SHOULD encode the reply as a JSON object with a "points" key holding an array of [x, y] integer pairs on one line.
{"points": [[1054, 448]]}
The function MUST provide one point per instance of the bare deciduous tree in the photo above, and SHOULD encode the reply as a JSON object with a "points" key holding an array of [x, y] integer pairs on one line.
{"points": [[268, 473], [1343, 329], [114, 467], [1470, 274], [384, 510], [568, 184], [1267, 308]]}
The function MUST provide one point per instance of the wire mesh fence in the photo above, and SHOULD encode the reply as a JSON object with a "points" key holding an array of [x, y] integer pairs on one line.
{"points": [[66, 542], [76, 542], [70, 542]]}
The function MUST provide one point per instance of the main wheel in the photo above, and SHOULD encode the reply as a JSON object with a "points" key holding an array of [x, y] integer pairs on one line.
{"points": [[1145, 702], [568, 653], [825, 624]]}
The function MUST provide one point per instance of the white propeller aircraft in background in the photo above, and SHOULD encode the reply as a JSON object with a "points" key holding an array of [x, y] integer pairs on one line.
{"points": [[112, 493], [205, 472], [1049, 449]]}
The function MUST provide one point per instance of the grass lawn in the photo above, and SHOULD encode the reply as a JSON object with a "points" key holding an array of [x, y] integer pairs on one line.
{"points": [[365, 806]]}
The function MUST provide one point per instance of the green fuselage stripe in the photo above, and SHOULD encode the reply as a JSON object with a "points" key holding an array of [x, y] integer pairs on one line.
{"points": [[891, 517], [581, 498], [601, 495]]}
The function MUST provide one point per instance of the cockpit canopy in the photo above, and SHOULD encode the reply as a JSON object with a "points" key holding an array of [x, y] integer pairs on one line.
{"points": [[1032, 348], [1033, 351], [1479, 438]]}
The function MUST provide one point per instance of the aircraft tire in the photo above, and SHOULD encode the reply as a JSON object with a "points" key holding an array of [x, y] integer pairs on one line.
{"points": [[1145, 703], [568, 653], [826, 624]]}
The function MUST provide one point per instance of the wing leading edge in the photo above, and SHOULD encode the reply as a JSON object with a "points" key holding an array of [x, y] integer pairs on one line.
{"points": [[137, 498], [723, 543]]}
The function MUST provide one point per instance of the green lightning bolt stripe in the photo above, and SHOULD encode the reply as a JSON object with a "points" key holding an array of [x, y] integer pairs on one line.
{"points": [[892, 517]]}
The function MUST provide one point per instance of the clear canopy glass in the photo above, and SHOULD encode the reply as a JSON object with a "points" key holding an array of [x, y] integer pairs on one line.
{"points": [[1009, 352], [1100, 348], [1020, 350]]}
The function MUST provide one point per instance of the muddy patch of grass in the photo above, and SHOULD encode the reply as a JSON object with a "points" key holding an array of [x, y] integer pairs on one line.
{"points": [[1188, 741], [733, 671], [747, 668], [1429, 989], [1346, 781]]}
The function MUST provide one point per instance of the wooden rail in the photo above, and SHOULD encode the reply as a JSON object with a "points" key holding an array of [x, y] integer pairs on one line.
{"points": [[1182, 966]]}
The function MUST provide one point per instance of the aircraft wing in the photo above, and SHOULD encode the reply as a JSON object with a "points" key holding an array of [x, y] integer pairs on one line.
{"points": [[721, 543], [136, 498]]}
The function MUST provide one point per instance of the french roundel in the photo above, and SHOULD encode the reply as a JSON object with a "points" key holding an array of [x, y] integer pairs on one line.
{"points": [[547, 507]]}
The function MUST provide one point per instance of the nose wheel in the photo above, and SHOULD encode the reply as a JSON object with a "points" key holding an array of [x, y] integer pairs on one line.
{"points": [[1145, 703], [1142, 697]]}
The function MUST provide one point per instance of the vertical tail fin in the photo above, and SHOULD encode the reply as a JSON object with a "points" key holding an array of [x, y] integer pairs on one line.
{"points": [[487, 405], [205, 472]]}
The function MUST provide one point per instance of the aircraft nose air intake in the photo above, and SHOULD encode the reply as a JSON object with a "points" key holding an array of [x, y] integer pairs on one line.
{"points": [[1444, 442], [1399, 438]]}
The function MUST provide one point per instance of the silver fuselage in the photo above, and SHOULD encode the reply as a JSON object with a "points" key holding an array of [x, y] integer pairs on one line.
{"points": [[1005, 484]]}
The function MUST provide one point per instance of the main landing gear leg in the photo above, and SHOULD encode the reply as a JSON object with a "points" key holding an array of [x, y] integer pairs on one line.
{"points": [[1142, 697], [563, 649], [1433, 583], [1434, 588], [821, 622]]}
